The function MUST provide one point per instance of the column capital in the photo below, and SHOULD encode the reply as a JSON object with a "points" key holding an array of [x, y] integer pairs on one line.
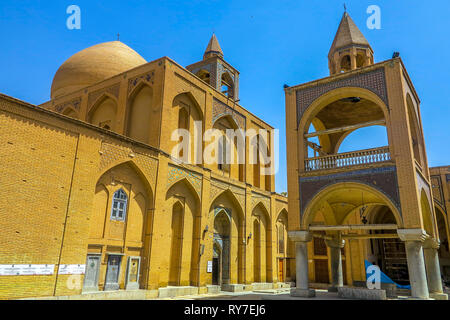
{"points": [[300, 236], [412, 234], [431, 244], [335, 243]]}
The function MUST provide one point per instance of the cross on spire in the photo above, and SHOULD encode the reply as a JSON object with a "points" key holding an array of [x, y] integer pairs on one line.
{"points": [[345, 7], [118, 36]]}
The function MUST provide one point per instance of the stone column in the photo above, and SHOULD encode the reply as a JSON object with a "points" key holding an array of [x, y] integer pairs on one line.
{"points": [[416, 265], [301, 239], [430, 250], [337, 279]]}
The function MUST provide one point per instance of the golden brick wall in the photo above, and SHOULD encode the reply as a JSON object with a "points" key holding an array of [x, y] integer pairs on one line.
{"points": [[50, 214]]}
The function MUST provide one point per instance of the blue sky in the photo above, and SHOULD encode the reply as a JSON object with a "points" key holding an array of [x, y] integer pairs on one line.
{"points": [[270, 42]]}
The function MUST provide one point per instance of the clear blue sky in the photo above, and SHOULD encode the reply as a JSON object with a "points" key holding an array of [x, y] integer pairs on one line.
{"points": [[270, 42]]}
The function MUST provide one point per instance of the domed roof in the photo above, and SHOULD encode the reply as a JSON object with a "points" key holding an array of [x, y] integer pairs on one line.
{"points": [[93, 65]]}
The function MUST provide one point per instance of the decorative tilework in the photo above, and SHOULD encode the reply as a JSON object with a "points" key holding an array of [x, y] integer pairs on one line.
{"points": [[176, 174], [227, 211], [220, 109], [74, 104], [382, 179], [148, 77], [374, 81], [112, 90]]}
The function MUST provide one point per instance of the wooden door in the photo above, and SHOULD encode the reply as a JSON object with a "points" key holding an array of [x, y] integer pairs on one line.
{"points": [[281, 270]]}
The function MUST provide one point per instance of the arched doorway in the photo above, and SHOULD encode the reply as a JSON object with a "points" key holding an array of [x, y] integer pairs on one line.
{"points": [[262, 244], [221, 256], [282, 246], [176, 244], [184, 204], [226, 205]]}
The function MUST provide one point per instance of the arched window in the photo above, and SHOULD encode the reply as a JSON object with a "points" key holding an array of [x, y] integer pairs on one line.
{"points": [[227, 86], [119, 205], [346, 64]]}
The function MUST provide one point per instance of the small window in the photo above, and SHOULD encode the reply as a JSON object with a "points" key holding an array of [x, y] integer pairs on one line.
{"points": [[119, 206]]}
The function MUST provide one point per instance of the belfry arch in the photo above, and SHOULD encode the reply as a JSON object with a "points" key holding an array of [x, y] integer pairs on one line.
{"points": [[335, 115]]}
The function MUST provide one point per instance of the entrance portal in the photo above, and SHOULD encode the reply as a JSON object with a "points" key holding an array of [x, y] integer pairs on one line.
{"points": [[221, 246]]}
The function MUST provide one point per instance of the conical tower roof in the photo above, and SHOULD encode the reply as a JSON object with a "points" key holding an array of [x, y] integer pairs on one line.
{"points": [[213, 48], [348, 34]]}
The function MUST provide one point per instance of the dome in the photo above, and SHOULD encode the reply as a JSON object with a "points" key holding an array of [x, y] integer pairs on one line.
{"points": [[93, 65]]}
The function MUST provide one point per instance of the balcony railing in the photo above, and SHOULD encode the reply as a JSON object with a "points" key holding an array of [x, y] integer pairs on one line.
{"points": [[347, 159]]}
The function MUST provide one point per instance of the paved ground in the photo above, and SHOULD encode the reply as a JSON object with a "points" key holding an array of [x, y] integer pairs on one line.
{"points": [[260, 295]]}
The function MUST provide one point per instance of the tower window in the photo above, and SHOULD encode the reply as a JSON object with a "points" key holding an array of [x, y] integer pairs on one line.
{"points": [[346, 64], [119, 206], [227, 85]]}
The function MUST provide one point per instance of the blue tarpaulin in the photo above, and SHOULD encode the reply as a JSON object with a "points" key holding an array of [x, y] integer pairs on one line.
{"points": [[384, 278]]}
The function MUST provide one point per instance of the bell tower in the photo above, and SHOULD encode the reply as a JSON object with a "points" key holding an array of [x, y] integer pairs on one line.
{"points": [[350, 49], [215, 71], [377, 196]]}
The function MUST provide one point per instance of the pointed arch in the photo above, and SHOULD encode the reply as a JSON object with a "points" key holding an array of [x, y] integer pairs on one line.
{"points": [[340, 108], [136, 167], [139, 113], [230, 195], [190, 97], [122, 213], [415, 129], [231, 119], [262, 244], [227, 199], [320, 197], [103, 112], [141, 83], [70, 112], [189, 186], [281, 224], [187, 221], [261, 204], [100, 99], [283, 214], [337, 94]]}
